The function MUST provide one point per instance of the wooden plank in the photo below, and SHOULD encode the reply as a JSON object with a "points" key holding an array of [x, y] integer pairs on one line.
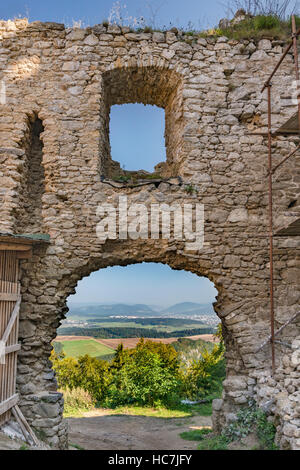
{"points": [[24, 254], [9, 277], [290, 127], [33, 239], [14, 247], [24, 425], [9, 403], [12, 320], [291, 230], [7, 286], [12, 348], [9, 297]]}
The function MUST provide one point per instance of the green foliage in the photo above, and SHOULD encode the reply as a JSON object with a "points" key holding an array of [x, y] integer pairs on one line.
{"points": [[95, 376], [66, 370], [122, 178], [214, 443], [189, 188], [196, 435], [297, 19], [147, 377], [88, 373], [79, 347], [266, 22], [76, 446], [23, 447], [77, 401], [204, 377], [257, 27], [265, 431], [125, 332], [252, 419], [244, 424]]}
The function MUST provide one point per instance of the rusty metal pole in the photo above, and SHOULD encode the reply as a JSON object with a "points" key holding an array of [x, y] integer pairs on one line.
{"points": [[271, 230], [295, 51]]}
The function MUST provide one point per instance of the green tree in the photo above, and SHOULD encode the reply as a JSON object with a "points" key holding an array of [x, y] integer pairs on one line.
{"points": [[66, 369], [145, 378], [94, 376], [204, 376], [120, 357]]}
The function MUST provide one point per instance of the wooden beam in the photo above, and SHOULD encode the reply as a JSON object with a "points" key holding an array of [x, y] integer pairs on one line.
{"points": [[12, 348], [24, 254], [14, 247], [12, 320], [9, 403], [24, 425], [6, 297]]}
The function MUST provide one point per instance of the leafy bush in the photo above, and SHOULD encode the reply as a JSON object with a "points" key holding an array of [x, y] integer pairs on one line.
{"points": [[258, 27], [266, 22], [203, 377], [214, 443], [265, 431], [90, 374], [196, 435], [66, 369], [146, 377], [95, 376], [252, 419], [77, 399]]}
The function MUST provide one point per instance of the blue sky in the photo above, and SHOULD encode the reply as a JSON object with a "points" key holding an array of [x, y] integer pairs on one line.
{"points": [[177, 12], [131, 125], [137, 141], [149, 283]]}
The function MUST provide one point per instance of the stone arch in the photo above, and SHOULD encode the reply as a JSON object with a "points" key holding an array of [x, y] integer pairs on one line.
{"points": [[154, 85], [45, 292]]}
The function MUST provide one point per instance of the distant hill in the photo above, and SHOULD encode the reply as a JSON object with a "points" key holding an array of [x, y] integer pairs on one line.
{"points": [[112, 309], [139, 310], [189, 308]]}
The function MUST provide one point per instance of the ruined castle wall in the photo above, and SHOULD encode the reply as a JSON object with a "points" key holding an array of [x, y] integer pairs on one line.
{"points": [[210, 89]]}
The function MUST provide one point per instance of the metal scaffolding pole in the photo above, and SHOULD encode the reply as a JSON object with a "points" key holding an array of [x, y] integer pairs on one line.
{"points": [[271, 169], [271, 228]]}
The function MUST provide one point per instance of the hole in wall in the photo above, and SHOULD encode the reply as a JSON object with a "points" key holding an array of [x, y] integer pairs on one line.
{"points": [[137, 137], [293, 203], [136, 86]]}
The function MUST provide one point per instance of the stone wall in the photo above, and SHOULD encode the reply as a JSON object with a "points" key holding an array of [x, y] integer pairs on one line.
{"points": [[210, 89]]}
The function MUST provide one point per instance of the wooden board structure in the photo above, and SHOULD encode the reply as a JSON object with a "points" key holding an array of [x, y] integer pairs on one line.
{"points": [[9, 329], [290, 127], [12, 249], [291, 230]]}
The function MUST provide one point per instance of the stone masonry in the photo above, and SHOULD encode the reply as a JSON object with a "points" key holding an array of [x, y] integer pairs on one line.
{"points": [[56, 169]]}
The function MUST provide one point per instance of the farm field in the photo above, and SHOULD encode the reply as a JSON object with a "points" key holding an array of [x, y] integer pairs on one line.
{"points": [[132, 342], [136, 324], [80, 343], [80, 347]]}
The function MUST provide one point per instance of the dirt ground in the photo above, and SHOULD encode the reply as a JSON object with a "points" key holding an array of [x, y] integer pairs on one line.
{"points": [[98, 431]]}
